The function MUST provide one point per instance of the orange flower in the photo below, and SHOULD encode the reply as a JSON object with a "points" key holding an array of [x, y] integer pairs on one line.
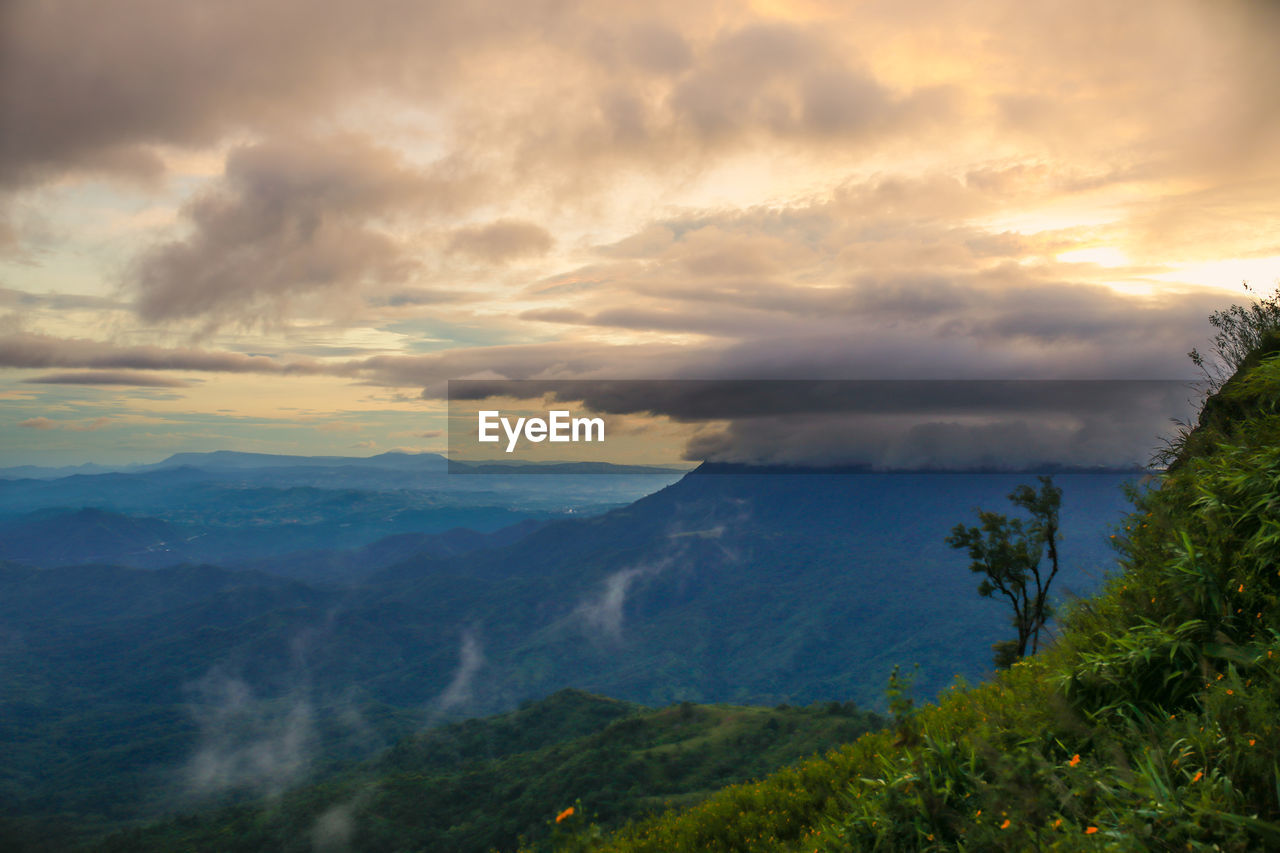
{"points": [[564, 814], [1199, 775], [1057, 823], [1075, 759], [1005, 825], [1090, 830], [1252, 741]]}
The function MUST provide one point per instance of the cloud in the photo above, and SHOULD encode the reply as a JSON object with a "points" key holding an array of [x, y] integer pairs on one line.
{"points": [[293, 225], [247, 743], [557, 89], [57, 301], [88, 426], [461, 689], [33, 350], [335, 828], [947, 442], [108, 377], [912, 424], [43, 423], [339, 426], [604, 613], [813, 191], [792, 81], [502, 241], [81, 95]]}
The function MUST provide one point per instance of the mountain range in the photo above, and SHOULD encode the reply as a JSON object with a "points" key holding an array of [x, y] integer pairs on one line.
{"points": [[132, 691]]}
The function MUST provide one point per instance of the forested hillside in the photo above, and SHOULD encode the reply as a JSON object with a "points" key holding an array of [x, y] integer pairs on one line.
{"points": [[491, 783]]}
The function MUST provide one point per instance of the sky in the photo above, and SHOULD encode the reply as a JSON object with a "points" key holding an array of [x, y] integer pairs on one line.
{"points": [[282, 226]]}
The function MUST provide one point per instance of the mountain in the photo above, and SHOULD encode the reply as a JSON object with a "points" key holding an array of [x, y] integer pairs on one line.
{"points": [[90, 535], [742, 587], [328, 502], [747, 587], [59, 538], [42, 472], [353, 566], [221, 460], [492, 783]]}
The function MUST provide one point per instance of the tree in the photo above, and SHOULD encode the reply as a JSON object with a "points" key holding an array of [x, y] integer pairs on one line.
{"points": [[1008, 553]]}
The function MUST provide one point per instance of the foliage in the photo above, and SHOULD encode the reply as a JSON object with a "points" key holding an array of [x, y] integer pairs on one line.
{"points": [[1007, 552], [1242, 331], [1246, 335]]}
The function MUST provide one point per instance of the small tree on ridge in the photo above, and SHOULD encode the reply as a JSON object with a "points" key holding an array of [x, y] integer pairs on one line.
{"points": [[1008, 553]]}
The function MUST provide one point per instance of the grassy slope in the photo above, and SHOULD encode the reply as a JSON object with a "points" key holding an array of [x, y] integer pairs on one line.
{"points": [[487, 783], [1153, 723]]}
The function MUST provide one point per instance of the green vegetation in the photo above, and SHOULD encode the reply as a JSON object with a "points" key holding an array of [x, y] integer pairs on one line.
{"points": [[1007, 552], [489, 783], [1242, 332], [1153, 723]]}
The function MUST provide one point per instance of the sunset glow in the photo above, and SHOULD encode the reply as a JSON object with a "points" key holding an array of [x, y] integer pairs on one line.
{"points": [[212, 222]]}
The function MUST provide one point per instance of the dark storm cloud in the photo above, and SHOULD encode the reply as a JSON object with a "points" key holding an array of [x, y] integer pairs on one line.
{"points": [[884, 424], [720, 399], [1000, 443]]}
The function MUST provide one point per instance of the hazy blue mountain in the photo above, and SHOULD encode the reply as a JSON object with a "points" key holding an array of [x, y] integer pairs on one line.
{"points": [[234, 460], [354, 501], [306, 517], [742, 587], [43, 472], [748, 587], [60, 538], [353, 566], [57, 538]]}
